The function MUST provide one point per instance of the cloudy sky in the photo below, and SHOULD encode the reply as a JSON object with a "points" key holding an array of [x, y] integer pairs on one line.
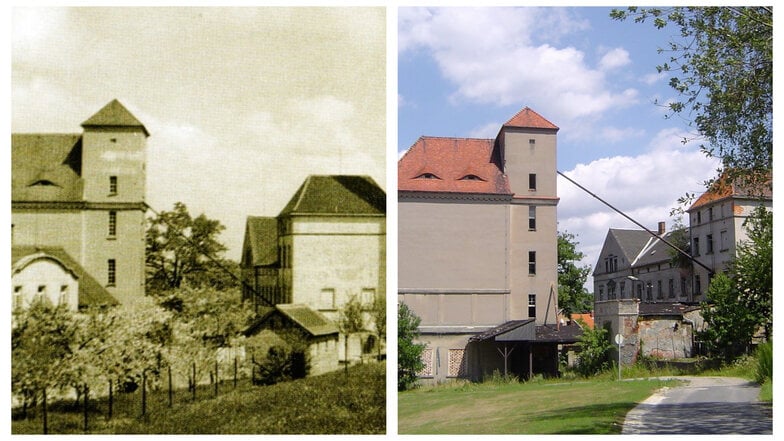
{"points": [[241, 103], [464, 72]]}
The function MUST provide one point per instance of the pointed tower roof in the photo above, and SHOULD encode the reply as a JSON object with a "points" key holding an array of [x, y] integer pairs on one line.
{"points": [[114, 114], [528, 119]]}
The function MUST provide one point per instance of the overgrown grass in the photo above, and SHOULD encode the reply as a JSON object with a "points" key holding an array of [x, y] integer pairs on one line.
{"points": [[327, 404], [589, 406]]}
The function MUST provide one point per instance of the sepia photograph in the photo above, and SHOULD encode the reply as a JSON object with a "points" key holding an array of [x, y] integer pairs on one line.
{"points": [[198, 220]]}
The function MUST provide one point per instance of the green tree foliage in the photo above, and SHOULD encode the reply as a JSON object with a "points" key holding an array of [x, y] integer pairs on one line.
{"points": [[595, 347], [409, 353], [730, 324], [284, 362], [572, 295], [722, 66], [753, 268], [183, 249]]}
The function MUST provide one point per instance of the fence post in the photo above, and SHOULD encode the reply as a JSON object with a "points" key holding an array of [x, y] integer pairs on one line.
{"points": [[235, 372], [170, 387], [86, 398], [111, 400], [46, 428], [194, 380], [144, 393], [216, 376]]}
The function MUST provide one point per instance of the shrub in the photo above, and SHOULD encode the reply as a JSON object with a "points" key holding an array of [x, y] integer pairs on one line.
{"points": [[498, 378], [409, 354], [764, 362], [595, 350], [282, 364]]}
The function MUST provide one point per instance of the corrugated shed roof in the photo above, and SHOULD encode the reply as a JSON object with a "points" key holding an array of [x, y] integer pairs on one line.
{"points": [[46, 167], [665, 309], [458, 165], [501, 330], [337, 194], [569, 333], [114, 114], [91, 293], [261, 235], [529, 119]]}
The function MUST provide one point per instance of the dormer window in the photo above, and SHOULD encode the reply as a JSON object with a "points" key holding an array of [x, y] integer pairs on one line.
{"points": [[427, 176], [43, 183], [471, 178]]}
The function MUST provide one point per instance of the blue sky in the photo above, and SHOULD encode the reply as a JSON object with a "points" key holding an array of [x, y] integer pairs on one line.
{"points": [[465, 71]]}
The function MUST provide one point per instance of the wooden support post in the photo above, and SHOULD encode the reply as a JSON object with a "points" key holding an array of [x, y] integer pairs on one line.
{"points": [[171, 388], [86, 403]]}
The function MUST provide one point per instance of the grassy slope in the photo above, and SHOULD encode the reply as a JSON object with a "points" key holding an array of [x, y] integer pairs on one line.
{"points": [[324, 404], [585, 407]]}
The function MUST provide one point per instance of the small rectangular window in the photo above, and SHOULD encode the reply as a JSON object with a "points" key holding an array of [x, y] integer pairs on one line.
{"points": [[532, 218], [532, 262], [112, 223], [696, 249], [111, 278], [63, 295], [532, 181], [17, 303], [112, 184], [709, 244], [697, 285], [531, 141], [531, 305]]}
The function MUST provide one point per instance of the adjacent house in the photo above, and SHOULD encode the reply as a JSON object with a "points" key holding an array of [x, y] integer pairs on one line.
{"points": [[477, 247], [327, 246], [652, 298], [77, 204]]}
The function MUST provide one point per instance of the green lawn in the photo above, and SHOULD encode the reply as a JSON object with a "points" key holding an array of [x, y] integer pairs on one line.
{"points": [[579, 407], [327, 404]]}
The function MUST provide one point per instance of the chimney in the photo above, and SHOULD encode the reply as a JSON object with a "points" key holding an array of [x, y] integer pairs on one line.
{"points": [[662, 228]]}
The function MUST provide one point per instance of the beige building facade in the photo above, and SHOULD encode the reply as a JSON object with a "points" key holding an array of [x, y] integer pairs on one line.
{"points": [[477, 248], [327, 246], [84, 193]]}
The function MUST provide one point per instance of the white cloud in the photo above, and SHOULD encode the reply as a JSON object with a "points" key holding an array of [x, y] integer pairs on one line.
{"points": [[615, 134], [496, 56], [614, 59], [653, 78], [487, 131], [645, 187]]}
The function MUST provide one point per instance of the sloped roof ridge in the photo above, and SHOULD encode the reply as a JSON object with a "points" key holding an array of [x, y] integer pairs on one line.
{"points": [[528, 118], [114, 114]]}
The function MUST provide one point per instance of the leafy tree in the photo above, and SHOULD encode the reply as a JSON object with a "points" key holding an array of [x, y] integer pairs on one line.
{"points": [[378, 312], [350, 321], [753, 268], [572, 295], [730, 324], [42, 341], [284, 362], [181, 248], [409, 354], [722, 63], [595, 347]]}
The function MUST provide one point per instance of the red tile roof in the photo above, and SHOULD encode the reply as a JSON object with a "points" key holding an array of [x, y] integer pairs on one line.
{"points": [[721, 189], [585, 318], [459, 165], [529, 119]]}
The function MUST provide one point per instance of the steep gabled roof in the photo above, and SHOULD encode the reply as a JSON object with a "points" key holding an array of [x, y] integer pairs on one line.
{"points": [[656, 251], [261, 237], [91, 293], [46, 167], [528, 119], [114, 114], [457, 165], [631, 242], [337, 194]]}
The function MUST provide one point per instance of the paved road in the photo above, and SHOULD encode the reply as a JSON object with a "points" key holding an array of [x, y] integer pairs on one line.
{"points": [[704, 405]]}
